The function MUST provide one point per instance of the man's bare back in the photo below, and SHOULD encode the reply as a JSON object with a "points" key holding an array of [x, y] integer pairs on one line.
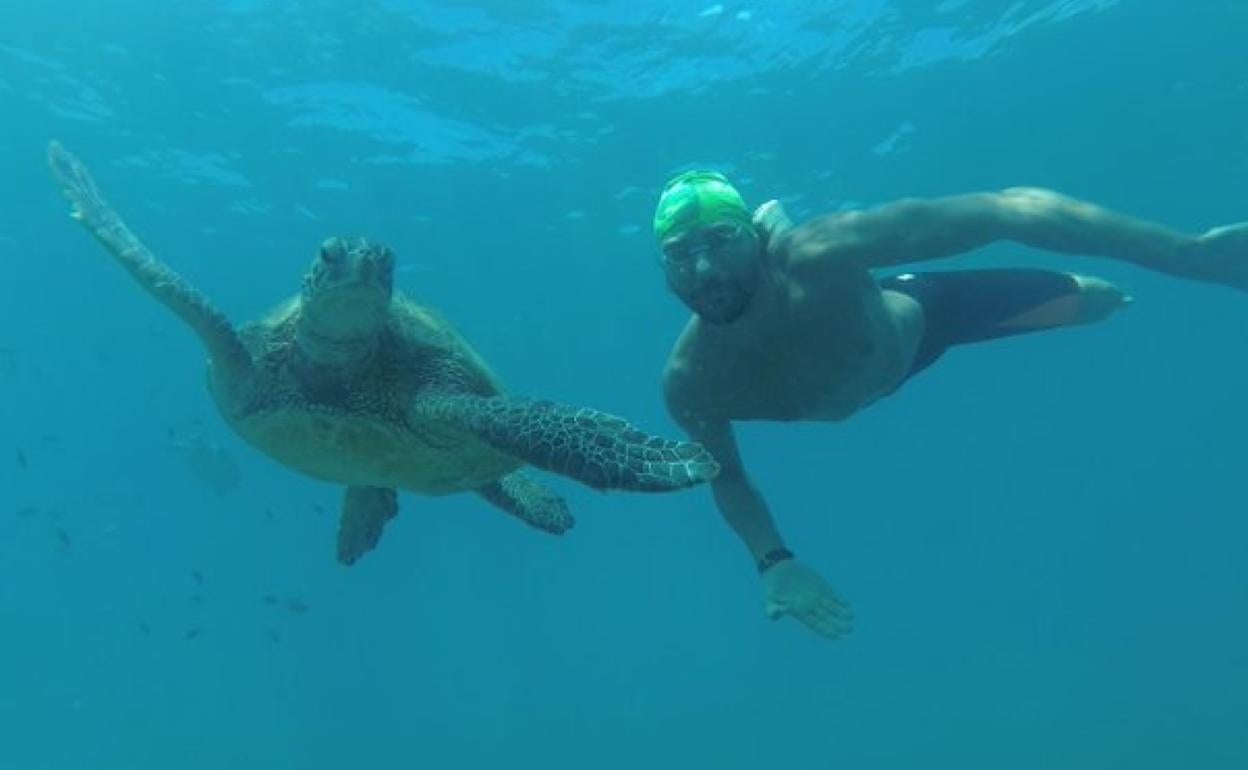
{"points": [[790, 324]]}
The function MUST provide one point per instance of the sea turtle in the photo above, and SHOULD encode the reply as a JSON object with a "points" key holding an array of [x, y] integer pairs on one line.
{"points": [[351, 382]]}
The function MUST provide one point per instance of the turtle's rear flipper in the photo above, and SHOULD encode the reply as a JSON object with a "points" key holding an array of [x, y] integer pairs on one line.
{"points": [[597, 449], [365, 511], [531, 502]]}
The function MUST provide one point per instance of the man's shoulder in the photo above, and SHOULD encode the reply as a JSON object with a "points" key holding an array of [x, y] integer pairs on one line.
{"points": [[684, 367], [679, 363], [822, 250], [687, 392]]}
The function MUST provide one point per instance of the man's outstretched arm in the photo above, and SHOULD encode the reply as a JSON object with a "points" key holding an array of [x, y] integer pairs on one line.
{"points": [[915, 230], [738, 500], [789, 586]]}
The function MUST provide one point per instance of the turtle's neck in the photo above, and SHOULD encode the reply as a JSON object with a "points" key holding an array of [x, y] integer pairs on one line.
{"points": [[333, 351]]}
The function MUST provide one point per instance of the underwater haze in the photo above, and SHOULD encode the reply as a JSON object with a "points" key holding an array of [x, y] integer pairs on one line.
{"points": [[1044, 538]]}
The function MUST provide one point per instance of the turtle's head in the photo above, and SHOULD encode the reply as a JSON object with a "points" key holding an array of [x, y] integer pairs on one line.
{"points": [[346, 297]]}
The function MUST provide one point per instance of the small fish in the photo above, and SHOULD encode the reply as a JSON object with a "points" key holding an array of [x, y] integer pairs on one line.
{"points": [[21, 460], [273, 634], [192, 633], [63, 537], [197, 577], [296, 606], [144, 628], [320, 509], [268, 514], [29, 512], [197, 599], [270, 599], [209, 464]]}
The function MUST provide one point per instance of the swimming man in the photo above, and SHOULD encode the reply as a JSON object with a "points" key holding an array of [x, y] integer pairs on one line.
{"points": [[790, 324]]}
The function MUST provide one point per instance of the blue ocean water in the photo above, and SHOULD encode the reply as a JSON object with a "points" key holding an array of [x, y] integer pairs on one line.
{"points": [[1044, 538]]}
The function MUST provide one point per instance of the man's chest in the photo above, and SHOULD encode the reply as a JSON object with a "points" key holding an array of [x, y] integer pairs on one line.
{"points": [[814, 361]]}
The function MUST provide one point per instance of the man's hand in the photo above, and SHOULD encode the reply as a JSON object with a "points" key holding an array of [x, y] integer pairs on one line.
{"points": [[792, 588]]}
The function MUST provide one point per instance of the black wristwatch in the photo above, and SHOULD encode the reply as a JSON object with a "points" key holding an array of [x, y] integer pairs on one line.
{"points": [[772, 558]]}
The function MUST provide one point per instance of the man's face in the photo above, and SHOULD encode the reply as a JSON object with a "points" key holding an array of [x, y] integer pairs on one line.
{"points": [[714, 269]]}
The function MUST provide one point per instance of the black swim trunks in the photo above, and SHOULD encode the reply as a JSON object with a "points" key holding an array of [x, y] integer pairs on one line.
{"points": [[975, 305]]}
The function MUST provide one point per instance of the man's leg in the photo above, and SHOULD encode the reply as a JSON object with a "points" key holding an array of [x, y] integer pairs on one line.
{"points": [[965, 306]]}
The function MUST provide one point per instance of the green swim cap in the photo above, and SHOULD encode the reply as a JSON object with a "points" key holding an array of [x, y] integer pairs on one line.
{"points": [[697, 198]]}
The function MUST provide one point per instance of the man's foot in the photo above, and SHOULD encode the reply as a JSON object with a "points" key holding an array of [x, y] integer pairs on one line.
{"points": [[1098, 298], [1221, 256]]}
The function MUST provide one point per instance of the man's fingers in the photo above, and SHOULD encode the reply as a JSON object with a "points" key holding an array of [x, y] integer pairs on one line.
{"points": [[838, 608], [829, 618], [829, 626]]}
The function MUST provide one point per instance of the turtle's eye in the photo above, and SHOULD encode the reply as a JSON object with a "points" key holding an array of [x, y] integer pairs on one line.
{"points": [[332, 251]]}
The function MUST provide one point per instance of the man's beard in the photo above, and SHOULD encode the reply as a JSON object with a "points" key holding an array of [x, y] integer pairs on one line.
{"points": [[721, 302]]}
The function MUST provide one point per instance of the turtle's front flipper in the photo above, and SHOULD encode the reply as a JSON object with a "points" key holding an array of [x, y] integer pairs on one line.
{"points": [[595, 448], [365, 511], [531, 502], [90, 208]]}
